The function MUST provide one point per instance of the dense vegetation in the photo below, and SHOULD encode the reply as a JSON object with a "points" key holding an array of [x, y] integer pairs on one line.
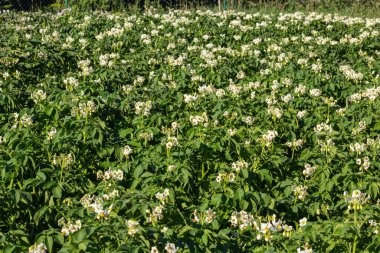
{"points": [[189, 131], [118, 5]]}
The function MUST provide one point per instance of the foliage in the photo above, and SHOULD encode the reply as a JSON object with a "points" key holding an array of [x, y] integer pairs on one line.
{"points": [[190, 131], [349, 7]]}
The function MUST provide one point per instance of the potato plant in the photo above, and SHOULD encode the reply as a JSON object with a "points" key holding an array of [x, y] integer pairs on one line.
{"points": [[189, 131]]}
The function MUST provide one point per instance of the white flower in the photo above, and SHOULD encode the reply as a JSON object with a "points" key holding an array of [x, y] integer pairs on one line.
{"points": [[300, 192], [38, 96], [309, 170], [163, 197], [40, 248], [287, 98], [356, 200], [302, 222], [65, 231], [143, 108], [154, 250], [171, 248], [132, 227], [238, 165], [52, 133], [231, 177], [231, 132], [219, 178], [268, 137], [127, 150], [315, 92]]}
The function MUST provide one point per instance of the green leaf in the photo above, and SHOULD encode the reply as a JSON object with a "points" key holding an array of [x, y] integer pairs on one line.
{"points": [[184, 229], [37, 216], [59, 238], [83, 246], [124, 132], [138, 170], [17, 196], [205, 238], [41, 175], [49, 243], [57, 192], [239, 194], [9, 249], [216, 199], [244, 173], [374, 189], [80, 235]]}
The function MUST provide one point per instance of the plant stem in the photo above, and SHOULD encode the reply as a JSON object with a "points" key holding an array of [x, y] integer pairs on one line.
{"points": [[356, 237], [328, 112], [60, 178]]}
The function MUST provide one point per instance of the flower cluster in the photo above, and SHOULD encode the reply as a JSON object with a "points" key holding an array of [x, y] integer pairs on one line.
{"points": [[198, 119], [300, 192], [243, 220], [38, 96], [71, 83], [375, 225], [52, 133], [295, 144], [190, 99], [358, 148], [207, 216], [226, 177], [315, 92], [126, 151], [95, 204], [84, 66], [268, 137], [301, 114], [356, 200], [171, 142], [364, 164], [116, 175], [146, 136], [265, 228], [24, 120], [269, 228], [38, 248], [108, 60], [327, 145], [361, 127], [69, 227], [171, 248], [249, 120], [143, 108], [155, 215], [330, 101], [84, 109], [306, 249], [323, 128], [239, 165], [309, 170], [275, 112], [133, 227], [350, 74], [63, 160], [163, 197]]}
